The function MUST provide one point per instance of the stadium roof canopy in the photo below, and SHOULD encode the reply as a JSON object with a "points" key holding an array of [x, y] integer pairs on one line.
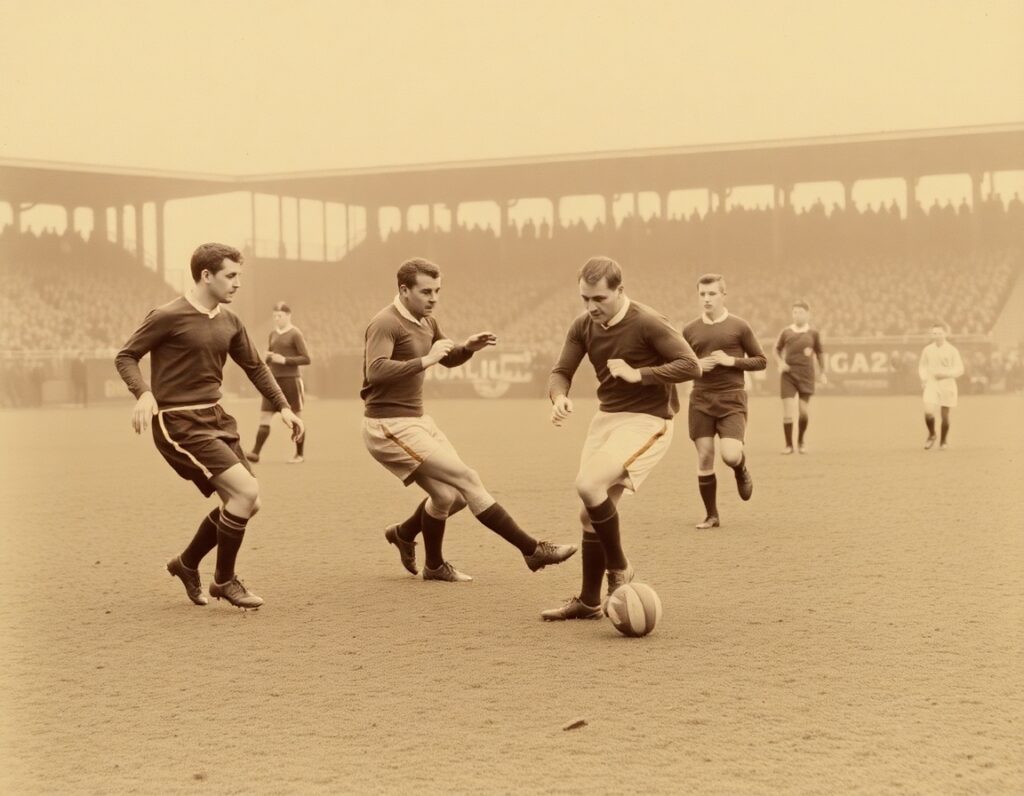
{"points": [[78, 185], [907, 154], [846, 159]]}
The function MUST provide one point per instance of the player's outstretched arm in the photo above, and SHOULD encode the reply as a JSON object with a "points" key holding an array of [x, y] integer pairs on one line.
{"points": [[480, 340]]}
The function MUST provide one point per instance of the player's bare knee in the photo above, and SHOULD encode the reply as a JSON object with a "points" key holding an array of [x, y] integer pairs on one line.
{"points": [[591, 491], [248, 494], [458, 504], [732, 454], [441, 501]]}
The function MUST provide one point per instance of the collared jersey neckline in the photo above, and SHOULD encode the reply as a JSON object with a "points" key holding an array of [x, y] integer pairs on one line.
{"points": [[191, 299], [704, 318], [618, 316], [404, 312]]}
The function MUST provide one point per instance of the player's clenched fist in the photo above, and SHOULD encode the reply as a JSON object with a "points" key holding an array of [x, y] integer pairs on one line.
{"points": [[620, 370], [438, 351], [561, 408]]}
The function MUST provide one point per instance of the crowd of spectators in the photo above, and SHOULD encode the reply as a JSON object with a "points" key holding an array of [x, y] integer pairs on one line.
{"points": [[62, 293], [865, 273]]}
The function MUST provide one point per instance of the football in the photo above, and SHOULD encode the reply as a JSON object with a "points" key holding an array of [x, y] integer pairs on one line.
{"points": [[635, 609]]}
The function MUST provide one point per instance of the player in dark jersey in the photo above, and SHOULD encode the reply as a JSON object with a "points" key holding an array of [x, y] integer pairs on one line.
{"points": [[286, 351], [727, 348], [402, 341], [795, 351], [638, 358], [188, 340]]}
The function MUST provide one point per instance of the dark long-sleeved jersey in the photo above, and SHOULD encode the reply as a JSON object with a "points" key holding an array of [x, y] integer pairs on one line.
{"points": [[188, 349], [732, 335], [392, 371], [647, 342], [292, 346], [798, 348]]}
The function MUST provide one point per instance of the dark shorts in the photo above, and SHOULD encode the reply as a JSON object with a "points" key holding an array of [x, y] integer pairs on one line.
{"points": [[199, 444], [791, 384], [293, 390], [721, 413]]}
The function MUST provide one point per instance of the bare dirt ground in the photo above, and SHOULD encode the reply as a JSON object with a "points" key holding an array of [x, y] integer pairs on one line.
{"points": [[857, 627]]}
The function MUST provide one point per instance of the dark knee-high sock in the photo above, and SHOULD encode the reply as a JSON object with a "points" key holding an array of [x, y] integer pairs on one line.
{"points": [[708, 486], [929, 420], [230, 530], [787, 429], [605, 521], [802, 429], [203, 542], [413, 524], [433, 536], [593, 569], [499, 521], [944, 427], [300, 446], [261, 436]]}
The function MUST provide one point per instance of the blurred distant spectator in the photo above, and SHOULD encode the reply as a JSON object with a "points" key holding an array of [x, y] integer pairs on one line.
{"points": [[978, 372]]}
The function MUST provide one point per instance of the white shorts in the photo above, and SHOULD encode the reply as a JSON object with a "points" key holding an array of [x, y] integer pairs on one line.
{"points": [[638, 439], [402, 444], [940, 392]]}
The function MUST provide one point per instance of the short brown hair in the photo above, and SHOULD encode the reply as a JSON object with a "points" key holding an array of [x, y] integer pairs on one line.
{"points": [[597, 268], [410, 269], [710, 279], [210, 257]]}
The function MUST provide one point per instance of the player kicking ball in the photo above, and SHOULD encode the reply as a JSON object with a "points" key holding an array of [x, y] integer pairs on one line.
{"points": [[638, 358], [402, 341]]}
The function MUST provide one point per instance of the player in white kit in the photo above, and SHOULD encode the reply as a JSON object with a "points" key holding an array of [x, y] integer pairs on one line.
{"points": [[939, 369]]}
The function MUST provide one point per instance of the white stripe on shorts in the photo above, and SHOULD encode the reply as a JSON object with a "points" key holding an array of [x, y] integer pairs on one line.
{"points": [[177, 447]]}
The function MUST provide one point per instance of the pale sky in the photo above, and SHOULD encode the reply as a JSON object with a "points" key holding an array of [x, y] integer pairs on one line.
{"points": [[231, 87], [257, 86]]}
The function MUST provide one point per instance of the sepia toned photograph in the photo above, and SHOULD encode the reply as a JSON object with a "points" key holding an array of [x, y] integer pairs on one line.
{"points": [[511, 397]]}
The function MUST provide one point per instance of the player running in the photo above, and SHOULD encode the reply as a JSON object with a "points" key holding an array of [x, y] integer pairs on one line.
{"points": [[286, 352], [188, 340], [795, 353], [727, 347]]}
